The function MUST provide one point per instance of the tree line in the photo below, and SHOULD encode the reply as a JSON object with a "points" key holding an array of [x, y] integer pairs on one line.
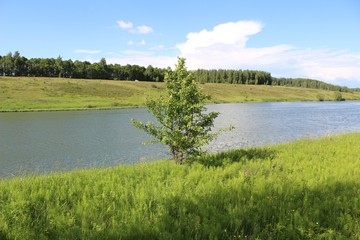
{"points": [[255, 77], [309, 83], [251, 77], [17, 65]]}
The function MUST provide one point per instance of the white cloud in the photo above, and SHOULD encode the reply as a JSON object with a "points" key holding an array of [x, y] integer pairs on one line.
{"points": [[143, 29], [142, 42], [125, 25], [87, 51], [142, 58], [223, 35], [225, 47], [327, 64]]}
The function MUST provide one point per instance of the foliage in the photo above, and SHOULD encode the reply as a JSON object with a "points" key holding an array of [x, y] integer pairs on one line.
{"points": [[308, 83], [320, 97], [308, 189], [183, 125], [338, 96], [250, 77], [16, 65]]}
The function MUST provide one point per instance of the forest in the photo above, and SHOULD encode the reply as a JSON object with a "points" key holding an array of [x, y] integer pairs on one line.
{"points": [[13, 64]]}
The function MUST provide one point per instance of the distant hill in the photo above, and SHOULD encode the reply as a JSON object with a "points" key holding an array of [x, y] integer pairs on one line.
{"points": [[45, 93]]}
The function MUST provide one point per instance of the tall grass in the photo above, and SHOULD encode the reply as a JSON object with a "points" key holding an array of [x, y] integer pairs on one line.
{"points": [[308, 189]]}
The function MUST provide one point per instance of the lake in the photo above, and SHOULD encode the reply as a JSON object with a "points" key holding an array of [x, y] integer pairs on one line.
{"points": [[42, 142]]}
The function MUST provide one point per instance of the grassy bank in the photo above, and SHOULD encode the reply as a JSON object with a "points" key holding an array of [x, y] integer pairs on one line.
{"points": [[308, 189], [27, 93]]}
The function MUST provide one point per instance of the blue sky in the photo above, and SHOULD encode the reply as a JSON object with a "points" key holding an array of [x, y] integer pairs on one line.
{"points": [[317, 39]]}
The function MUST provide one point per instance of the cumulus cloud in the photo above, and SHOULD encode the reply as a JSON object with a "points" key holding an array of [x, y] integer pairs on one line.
{"points": [[143, 29], [87, 51], [234, 34], [124, 25], [225, 47]]}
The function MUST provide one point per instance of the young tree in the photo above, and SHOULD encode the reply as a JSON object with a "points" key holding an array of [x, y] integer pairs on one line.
{"points": [[182, 124], [8, 64], [59, 66]]}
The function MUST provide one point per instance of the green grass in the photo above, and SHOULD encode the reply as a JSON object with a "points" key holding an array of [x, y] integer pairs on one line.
{"points": [[17, 94], [309, 189], [27, 93]]}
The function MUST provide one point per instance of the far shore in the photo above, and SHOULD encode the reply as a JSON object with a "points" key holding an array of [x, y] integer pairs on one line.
{"points": [[26, 94]]}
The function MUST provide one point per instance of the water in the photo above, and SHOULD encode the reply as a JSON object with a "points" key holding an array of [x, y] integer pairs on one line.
{"points": [[259, 124], [41, 142]]}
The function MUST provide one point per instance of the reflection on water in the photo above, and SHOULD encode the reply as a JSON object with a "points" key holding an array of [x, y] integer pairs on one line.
{"points": [[56, 141]]}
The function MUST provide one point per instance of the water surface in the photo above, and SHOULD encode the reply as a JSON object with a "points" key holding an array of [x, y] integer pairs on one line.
{"points": [[41, 142]]}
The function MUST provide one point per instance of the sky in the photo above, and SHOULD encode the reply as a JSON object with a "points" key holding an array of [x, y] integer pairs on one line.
{"points": [[317, 39]]}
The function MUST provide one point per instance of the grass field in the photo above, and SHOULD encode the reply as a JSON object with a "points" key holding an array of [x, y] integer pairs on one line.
{"points": [[27, 93], [309, 189]]}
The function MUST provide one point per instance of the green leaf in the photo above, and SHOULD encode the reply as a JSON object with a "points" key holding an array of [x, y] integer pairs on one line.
{"points": [[182, 122]]}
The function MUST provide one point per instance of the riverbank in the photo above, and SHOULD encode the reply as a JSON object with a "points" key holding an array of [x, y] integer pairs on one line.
{"points": [[48, 94], [307, 189]]}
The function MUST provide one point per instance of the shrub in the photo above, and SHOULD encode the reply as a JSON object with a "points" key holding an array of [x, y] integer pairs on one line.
{"points": [[338, 96]]}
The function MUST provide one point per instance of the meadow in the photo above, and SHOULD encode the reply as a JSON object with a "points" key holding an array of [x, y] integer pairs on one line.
{"points": [[308, 189], [30, 94]]}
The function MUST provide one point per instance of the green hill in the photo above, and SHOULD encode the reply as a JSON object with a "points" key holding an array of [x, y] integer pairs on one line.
{"points": [[28, 93]]}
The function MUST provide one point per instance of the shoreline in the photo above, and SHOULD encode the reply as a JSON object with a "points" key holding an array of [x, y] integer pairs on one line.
{"points": [[134, 107], [65, 109]]}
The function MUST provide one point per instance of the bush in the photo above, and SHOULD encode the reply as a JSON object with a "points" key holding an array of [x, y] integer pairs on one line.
{"points": [[338, 96], [320, 97]]}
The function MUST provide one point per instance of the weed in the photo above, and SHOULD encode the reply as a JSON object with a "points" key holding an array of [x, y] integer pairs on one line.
{"points": [[307, 189]]}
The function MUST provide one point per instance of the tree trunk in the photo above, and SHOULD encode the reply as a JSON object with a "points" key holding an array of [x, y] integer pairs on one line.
{"points": [[177, 155]]}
